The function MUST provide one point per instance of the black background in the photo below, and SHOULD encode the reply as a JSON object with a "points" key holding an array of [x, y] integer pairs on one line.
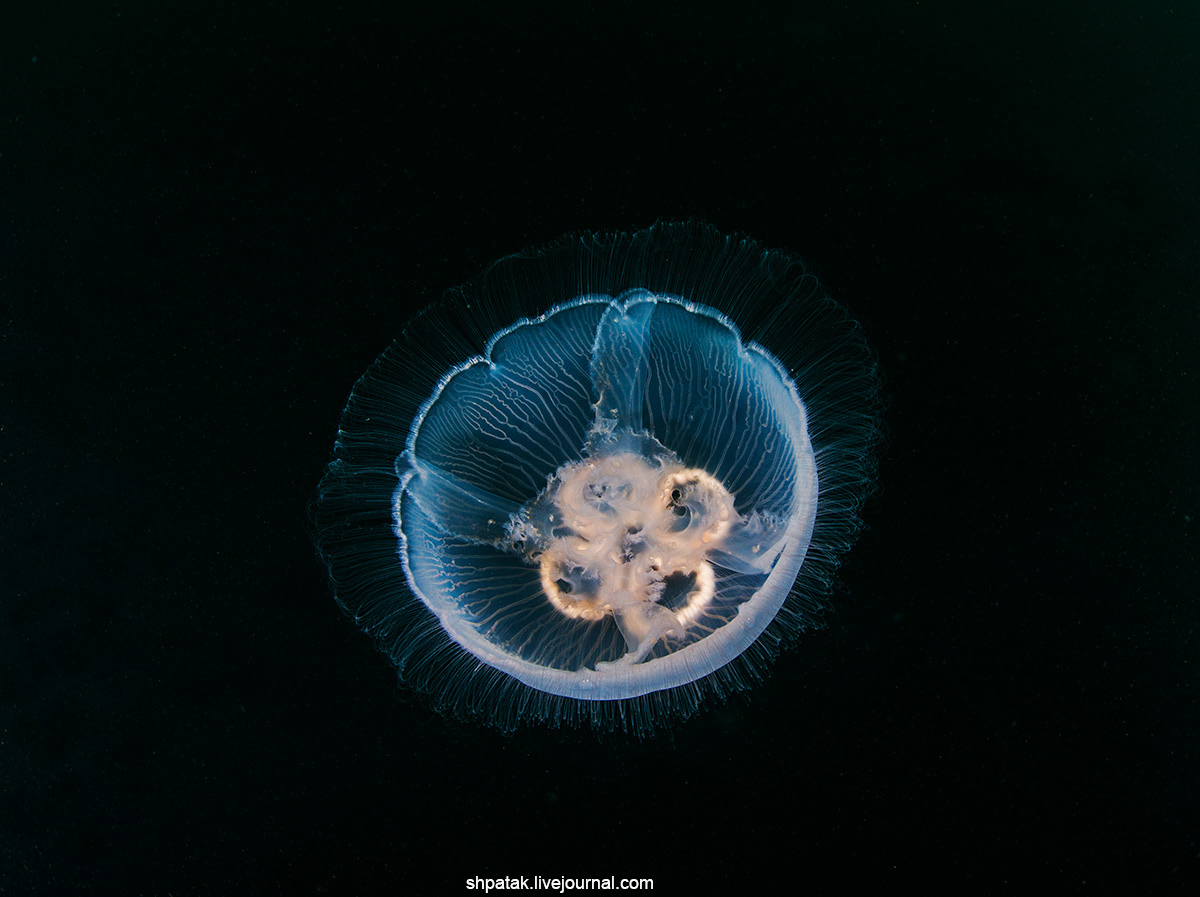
{"points": [[213, 220]]}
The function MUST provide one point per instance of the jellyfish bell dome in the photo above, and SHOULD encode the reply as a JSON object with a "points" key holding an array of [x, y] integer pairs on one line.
{"points": [[604, 481]]}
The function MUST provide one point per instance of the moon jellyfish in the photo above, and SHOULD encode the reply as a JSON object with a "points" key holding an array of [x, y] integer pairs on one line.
{"points": [[605, 481]]}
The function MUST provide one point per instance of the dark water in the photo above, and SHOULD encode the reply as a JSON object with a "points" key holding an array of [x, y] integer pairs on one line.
{"points": [[213, 221]]}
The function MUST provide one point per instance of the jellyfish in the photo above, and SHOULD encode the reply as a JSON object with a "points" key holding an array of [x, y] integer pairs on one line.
{"points": [[604, 482]]}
